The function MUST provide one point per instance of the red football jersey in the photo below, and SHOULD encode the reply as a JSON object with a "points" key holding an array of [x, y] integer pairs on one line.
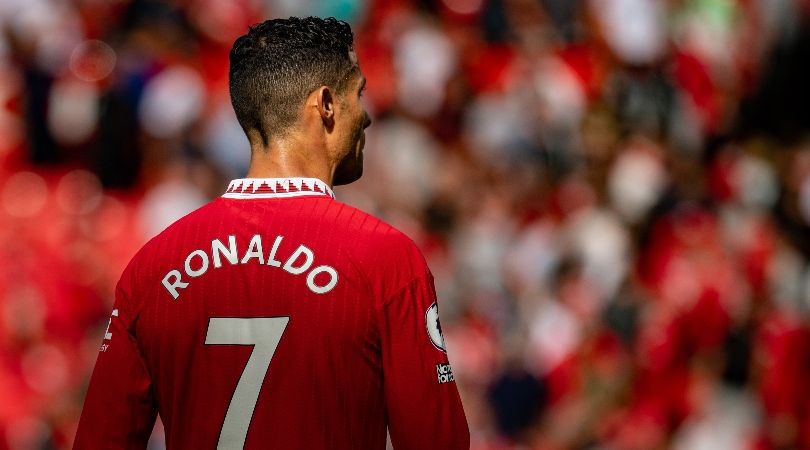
{"points": [[275, 317]]}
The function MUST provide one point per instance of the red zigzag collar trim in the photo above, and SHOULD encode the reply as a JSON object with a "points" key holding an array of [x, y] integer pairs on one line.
{"points": [[276, 188]]}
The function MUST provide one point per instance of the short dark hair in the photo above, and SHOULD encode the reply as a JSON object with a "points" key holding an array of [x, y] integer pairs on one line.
{"points": [[279, 62]]}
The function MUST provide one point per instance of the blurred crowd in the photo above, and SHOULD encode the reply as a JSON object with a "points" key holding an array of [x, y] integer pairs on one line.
{"points": [[613, 196]]}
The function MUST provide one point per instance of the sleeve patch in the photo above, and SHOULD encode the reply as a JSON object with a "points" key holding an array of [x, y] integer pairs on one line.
{"points": [[434, 327]]}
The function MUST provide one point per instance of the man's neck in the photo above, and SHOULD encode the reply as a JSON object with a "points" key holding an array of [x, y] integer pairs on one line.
{"points": [[283, 161]]}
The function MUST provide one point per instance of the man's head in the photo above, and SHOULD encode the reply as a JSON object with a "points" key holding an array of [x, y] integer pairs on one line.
{"points": [[285, 72]]}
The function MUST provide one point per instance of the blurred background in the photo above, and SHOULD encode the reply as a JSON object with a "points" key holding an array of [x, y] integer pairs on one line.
{"points": [[613, 196]]}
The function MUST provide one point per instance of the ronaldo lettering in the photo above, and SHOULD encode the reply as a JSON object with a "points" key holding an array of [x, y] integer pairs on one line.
{"points": [[320, 279]]}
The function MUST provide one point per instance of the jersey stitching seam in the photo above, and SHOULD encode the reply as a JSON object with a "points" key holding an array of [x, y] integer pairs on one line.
{"points": [[405, 286]]}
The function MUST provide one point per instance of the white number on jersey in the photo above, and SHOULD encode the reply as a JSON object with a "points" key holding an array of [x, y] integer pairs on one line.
{"points": [[264, 333]]}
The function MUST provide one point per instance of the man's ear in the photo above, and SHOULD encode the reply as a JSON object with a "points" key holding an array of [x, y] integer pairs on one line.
{"points": [[326, 106]]}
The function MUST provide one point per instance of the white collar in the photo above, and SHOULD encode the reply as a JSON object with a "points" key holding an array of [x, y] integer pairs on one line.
{"points": [[276, 188]]}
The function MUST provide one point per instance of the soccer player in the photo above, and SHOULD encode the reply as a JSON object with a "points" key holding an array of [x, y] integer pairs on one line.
{"points": [[276, 317]]}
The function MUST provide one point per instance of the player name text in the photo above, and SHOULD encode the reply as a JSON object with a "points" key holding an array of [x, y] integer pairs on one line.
{"points": [[298, 262]]}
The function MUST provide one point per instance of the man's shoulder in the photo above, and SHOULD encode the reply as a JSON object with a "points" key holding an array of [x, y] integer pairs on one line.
{"points": [[381, 251], [377, 233], [385, 257]]}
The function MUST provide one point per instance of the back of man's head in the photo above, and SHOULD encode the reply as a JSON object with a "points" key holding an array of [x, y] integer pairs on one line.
{"points": [[278, 63]]}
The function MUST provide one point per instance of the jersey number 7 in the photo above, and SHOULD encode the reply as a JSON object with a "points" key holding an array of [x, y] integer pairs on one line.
{"points": [[264, 333]]}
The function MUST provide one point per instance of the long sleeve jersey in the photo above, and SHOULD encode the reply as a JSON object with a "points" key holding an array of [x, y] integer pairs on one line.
{"points": [[275, 317]]}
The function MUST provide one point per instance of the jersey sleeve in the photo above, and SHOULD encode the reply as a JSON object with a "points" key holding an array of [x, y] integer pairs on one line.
{"points": [[119, 410], [422, 401]]}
